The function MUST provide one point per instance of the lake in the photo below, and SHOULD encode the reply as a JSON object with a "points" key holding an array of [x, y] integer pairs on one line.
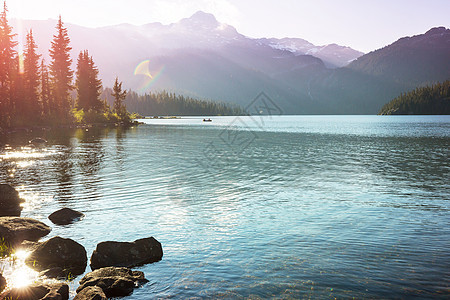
{"points": [[260, 207]]}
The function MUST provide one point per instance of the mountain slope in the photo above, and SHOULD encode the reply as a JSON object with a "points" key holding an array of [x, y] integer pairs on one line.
{"points": [[411, 61]]}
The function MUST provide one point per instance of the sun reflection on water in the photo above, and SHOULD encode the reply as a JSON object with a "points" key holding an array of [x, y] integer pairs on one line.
{"points": [[16, 272]]}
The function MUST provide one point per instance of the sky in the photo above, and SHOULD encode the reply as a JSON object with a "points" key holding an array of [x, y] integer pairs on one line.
{"points": [[364, 25]]}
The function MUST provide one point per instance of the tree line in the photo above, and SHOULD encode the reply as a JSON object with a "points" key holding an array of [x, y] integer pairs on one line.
{"points": [[427, 100], [164, 103], [34, 93]]}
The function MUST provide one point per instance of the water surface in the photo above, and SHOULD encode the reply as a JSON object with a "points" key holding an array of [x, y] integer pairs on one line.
{"points": [[284, 207]]}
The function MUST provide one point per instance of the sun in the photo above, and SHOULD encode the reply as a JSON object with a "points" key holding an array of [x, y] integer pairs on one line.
{"points": [[21, 275]]}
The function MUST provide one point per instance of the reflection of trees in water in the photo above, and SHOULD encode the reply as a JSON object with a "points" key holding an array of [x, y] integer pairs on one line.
{"points": [[63, 165], [120, 153], [74, 171]]}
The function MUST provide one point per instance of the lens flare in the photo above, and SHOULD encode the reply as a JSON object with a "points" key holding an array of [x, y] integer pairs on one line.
{"points": [[143, 69]]}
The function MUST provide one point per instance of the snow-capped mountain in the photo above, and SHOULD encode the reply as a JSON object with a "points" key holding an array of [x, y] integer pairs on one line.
{"points": [[333, 55]]}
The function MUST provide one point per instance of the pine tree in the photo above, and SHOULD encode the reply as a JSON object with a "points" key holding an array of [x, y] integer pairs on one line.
{"points": [[88, 85], [119, 97], [61, 74], [46, 97], [8, 54], [33, 108]]}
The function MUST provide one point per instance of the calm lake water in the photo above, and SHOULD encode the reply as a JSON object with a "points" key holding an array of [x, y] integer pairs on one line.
{"points": [[282, 207]]}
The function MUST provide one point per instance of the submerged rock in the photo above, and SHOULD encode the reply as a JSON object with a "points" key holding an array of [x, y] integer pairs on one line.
{"points": [[9, 201], [59, 252], [15, 230], [115, 282], [91, 293], [41, 291], [65, 216], [125, 254]]}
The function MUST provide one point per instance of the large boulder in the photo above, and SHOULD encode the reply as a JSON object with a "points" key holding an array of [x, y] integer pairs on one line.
{"points": [[15, 230], [91, 293], [9, 201], [65, 216], [125, 254], [115, 282], [59, 252], [41, 291]]}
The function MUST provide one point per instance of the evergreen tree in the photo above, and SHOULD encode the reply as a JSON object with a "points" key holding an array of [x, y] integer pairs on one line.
{"points": [[61, 74], [45, 94], [33, 108], [8, 54], [119, 97], [88, 85]]}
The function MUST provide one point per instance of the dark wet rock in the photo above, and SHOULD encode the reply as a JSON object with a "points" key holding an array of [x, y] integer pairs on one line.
{"points": [[65, 216], [9, 201], [91, 293], [40, 291], [2, 282], [115, 282], [125, 254], [59, 252], [56, 272], [15, 230]]}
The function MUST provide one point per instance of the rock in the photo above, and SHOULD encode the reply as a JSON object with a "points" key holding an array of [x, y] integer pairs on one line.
{"points": [[111, 286], [56, 272], [9, 201], [124, 254], [115, 282], [15, 230], [41, 291], [91, 293], [65, 216], [59, 252], [2, 282], [136, 276]]}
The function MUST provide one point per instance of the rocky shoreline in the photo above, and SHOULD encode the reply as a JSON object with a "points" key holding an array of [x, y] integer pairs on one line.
{"points": [[63, 258]]}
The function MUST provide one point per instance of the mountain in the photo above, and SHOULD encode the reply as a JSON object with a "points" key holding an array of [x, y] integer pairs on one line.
{"points": [[332, 55], [372, 80], [203, 58], [411, 61]]}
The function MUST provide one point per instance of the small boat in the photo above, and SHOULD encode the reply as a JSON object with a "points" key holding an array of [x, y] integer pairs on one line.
{"points": [[207, 120], [38, 141]]}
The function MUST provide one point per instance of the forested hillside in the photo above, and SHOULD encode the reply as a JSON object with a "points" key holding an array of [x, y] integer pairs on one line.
{"points": [[429, 100], [164, 103]]}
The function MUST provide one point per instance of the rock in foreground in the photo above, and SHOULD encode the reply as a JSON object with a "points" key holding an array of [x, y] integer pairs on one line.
{"points": [[124, 254], [59, 252], [114, 282], [41, 291], [9, 201], [91, 293], [2, 282], [16, 230], [65, 216]]}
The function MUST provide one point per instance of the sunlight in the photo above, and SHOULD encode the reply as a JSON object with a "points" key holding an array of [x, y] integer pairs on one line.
{"points": [[18, 274]]}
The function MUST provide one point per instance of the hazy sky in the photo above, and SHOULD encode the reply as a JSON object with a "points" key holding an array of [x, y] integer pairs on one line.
{"points": [[361, 24]]}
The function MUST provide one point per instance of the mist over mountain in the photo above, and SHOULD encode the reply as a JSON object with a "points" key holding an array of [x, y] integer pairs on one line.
{"points": [[201, 57]]}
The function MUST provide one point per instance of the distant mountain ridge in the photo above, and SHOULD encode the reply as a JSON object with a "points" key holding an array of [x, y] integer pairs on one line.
{"points": [[203, 58]]}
